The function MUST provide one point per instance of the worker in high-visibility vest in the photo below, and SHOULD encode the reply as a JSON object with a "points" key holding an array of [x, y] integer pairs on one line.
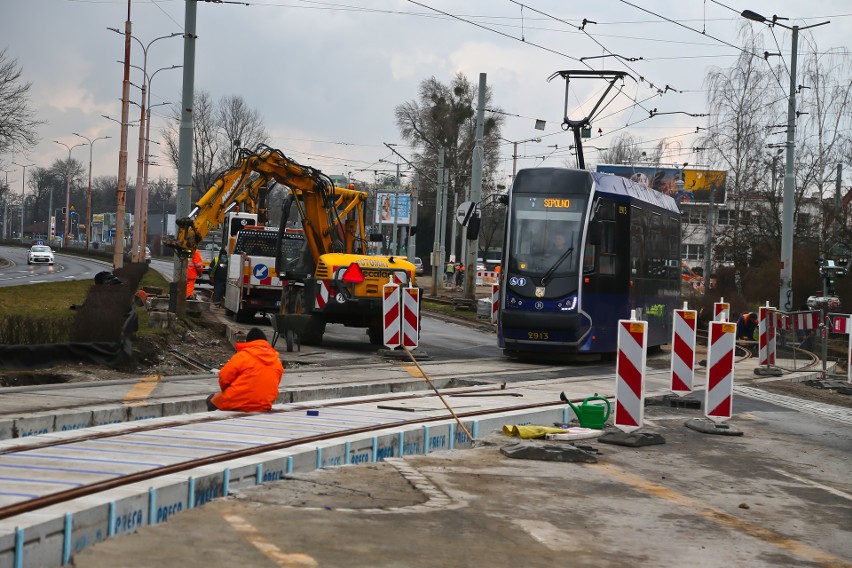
{"points": [[194, 270]]}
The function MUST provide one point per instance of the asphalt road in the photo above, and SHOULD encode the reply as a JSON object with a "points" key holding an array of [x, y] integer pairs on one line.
{"points": [[16, 271]]}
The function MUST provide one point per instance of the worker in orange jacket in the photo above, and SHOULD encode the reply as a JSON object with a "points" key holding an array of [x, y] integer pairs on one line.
{"points": [[194, 271], [249, 380]]}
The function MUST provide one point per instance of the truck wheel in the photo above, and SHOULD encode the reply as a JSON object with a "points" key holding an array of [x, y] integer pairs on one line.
{"points": [[244, 316], [289, 336], [314, 330]]}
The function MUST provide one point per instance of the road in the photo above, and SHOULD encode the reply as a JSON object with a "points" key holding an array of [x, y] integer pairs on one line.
{"points": [[66, 267]]}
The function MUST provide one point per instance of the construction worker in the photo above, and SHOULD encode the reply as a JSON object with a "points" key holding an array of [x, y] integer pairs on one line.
{"points": [[746, 325], [194, 270], [249, 380]]}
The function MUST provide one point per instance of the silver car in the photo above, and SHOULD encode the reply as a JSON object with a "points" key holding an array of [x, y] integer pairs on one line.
{"points": [[40, 254]]}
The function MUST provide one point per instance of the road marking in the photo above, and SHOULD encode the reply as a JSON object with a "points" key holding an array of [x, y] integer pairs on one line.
{"points": [[268, 549], [142, 390], [826, 488], [804, 551]]}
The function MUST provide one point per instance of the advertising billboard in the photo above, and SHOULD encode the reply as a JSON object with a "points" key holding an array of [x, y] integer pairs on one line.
{"points": [[697, 184], [390, 206]]}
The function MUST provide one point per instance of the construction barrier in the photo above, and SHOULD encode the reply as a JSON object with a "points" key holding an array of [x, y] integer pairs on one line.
{"points": [[719, 390], [683, 350], [390, 315], [766, 334], [323, 294], [486, 277], [721, 310], [632, 347], [495, 302], [842, 324], [410, 316]]}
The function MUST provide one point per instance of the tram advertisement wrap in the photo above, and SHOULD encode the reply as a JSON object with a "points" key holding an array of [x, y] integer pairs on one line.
{"points": [[697, 184]]}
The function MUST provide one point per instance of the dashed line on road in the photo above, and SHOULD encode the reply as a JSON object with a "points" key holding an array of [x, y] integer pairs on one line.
{"points": [[799, 549], [250, 533]]}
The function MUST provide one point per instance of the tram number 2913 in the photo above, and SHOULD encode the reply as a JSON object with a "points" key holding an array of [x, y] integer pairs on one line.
{"points": [[538, 335]]}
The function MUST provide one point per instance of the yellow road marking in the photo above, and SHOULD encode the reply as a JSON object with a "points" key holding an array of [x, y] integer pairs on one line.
{"points": [[142, 389], [413, 370], [803, 551], [267, 548]]}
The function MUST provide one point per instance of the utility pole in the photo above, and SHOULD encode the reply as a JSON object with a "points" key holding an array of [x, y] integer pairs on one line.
{"points": [[6, 202], [475, 191], [184, 185], [394, 247], [437, 258], [121, 191], [89, 191], [23, 194]]}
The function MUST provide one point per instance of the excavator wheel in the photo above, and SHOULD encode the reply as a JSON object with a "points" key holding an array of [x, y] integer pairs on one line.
{"points": [[314, 331], [376, 334]]}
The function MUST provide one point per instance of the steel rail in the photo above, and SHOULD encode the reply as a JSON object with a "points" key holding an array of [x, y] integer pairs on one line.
{"points": [[101, 486]]}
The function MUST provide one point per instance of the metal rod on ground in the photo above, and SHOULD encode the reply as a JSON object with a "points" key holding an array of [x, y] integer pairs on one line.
{"points": [[434, 388]]}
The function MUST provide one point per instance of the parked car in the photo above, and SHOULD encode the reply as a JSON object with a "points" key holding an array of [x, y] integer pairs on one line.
{"points": [[418, 266], [40, 254]]}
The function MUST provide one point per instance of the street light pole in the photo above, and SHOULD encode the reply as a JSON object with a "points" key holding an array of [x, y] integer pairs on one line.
{"points": [[138, 250], [6, 202], [144, 225], [23, 188], [89, 190], [67, 189], [785, 296], [515, 152]]}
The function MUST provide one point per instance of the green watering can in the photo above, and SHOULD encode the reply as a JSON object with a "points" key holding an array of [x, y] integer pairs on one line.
{"points": [[589, 415]]}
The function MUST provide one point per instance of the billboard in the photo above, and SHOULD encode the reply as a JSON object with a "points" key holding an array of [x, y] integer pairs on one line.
{"points": [[697, 184], [390, 206]]}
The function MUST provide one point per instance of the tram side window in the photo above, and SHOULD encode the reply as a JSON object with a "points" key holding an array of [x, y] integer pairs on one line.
{"points": [[637, 243], [608, 256]]}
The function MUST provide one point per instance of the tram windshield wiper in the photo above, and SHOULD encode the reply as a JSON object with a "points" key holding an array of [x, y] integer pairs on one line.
{"points": [[546, 278]]}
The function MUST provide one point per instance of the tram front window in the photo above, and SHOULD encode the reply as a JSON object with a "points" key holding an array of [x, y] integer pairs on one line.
{"points": [[546, 235]]}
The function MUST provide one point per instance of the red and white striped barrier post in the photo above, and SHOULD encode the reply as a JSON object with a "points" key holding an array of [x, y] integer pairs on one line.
{"points": [[630, 373], [410, 316], [843, 324], [766, 334], [390, 315], [495, 302], [721, 310], [683, 350], [720, 371]]}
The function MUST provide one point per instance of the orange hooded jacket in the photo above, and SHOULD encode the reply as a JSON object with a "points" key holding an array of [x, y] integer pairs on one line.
{"points": [[249, 381]]}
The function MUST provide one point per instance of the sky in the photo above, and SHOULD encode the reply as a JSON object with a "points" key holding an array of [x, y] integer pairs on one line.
{"points": [[326, 75]]}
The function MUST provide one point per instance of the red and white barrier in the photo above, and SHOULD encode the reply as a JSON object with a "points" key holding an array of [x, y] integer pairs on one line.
{"points": [[805, 320], [495, 301], [322, 296], [720, 371], [486, 277], [683, 351], [410, 316], [390, 315], [766, 335], [630, 374], [721, 310], [843, 324]]}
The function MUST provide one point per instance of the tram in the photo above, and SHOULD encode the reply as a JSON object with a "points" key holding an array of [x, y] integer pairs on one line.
{"points": [[582, 250]]}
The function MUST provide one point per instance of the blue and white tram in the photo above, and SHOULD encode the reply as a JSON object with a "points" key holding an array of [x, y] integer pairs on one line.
{"points": [[581, 250]]}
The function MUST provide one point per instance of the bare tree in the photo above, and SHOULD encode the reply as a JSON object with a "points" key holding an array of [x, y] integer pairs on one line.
{"points": [[443, 116], [625, 149], [743, 100], [17, 120], [207, 143], [240, 125]]}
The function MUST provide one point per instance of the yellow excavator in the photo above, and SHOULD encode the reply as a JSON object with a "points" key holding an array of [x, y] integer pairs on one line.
{"points": [[322, 271]]}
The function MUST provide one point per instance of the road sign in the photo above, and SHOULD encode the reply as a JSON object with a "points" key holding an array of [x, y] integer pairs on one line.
{"points": [[464, 212]]}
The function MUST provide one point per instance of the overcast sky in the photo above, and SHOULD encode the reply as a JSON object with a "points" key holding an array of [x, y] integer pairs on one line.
{"points": [[326, 75]]}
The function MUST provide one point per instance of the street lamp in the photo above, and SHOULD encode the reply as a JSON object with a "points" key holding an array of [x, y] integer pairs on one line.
{"points": [[23, 187], [138, 253], [785, 296], [515, 152], [144, 203], [67, 189], [6, 202], [89, 191]]}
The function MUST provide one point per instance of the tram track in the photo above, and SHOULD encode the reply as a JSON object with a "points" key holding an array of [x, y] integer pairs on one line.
{"points": [[20, 452]]}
